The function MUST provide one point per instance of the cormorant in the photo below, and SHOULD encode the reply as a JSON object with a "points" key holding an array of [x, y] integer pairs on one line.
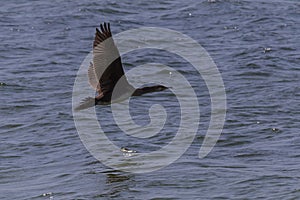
{"points": [[106, 70]]}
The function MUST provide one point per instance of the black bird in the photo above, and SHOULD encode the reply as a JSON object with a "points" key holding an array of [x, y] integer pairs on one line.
{"points": [[106, 70]]}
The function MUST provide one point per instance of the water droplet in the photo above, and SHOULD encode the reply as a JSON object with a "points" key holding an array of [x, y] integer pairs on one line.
{"points": [[47, 194], [267, 49]]}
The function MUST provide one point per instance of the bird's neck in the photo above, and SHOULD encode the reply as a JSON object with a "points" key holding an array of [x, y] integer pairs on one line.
{"points": [[144, 90], [138, 92]]}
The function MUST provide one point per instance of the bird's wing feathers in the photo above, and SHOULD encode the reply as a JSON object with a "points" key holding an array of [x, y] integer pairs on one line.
{"points": [[107, 65], [93, 80]]}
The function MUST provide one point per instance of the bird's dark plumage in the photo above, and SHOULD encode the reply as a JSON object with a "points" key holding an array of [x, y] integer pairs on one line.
{"points": [[106, 70]]}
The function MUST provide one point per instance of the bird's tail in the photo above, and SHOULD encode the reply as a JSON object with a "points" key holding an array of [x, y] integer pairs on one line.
{"points": [[86, 103]]}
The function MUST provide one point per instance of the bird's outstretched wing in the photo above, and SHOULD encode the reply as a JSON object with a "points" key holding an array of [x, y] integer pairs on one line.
{"points": [[106, 69]]}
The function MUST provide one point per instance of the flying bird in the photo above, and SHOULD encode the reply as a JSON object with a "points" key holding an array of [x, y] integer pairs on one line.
{"points": [[106, 70]]}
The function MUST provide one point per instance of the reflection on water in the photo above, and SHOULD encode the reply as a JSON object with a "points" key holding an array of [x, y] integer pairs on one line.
{"points": [[116, 183]]}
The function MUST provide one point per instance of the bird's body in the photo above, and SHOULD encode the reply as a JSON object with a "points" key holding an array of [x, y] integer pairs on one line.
{"points": [[106, 74]]}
